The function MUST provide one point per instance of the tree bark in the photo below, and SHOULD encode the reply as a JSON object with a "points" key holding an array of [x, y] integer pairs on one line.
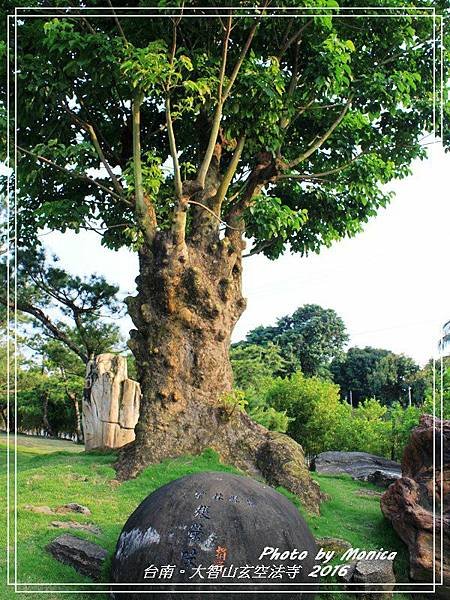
{"points": [[189, 299]]}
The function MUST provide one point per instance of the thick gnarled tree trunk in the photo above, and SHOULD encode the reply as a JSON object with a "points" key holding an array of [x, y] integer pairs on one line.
{"points": [[189, 299]]}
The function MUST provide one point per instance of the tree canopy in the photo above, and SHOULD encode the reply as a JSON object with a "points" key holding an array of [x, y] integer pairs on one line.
{"points": [[121, 121], [72, 310], [308, 339], [378, 373]]}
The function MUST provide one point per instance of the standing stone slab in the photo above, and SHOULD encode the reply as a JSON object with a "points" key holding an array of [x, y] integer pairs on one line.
{"points": [[218, 523], [85, 557], [111, 403]]}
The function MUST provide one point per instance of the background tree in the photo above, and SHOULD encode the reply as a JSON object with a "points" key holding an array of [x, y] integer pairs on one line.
{"points": [[50, 383], [309, 338], [378, 373], [65, 307], [70, 372], [431, 407], [146, 131], [64, 320]]}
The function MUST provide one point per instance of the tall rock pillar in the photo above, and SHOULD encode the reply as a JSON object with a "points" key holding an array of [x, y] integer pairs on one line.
{"points": [[110, 404]]}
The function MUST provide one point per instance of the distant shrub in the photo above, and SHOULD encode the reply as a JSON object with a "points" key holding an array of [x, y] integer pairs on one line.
{"points": [[314, 407], [259, 411], [252, 363], [403, 421], [366, 429]]}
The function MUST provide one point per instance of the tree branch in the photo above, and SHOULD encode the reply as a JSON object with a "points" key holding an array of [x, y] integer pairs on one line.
{"points": [[240, 60], [91, 131], [284, 121], [119, 26], [257, 249], [221, 101], [323, 173], [293, 39], [75, 174], [169, 122], [229, 174], [221, 221], [316, 145], [223, 64], [173, 150], [255, 182], [51, 327], [145, 213], [201, 176]]}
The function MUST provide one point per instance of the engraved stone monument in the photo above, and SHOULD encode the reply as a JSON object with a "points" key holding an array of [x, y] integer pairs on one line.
{"points": [[215, 531]]}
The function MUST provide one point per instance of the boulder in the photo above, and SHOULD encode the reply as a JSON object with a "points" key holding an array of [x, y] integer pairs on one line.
{"points": [[111, 403], [359, 465], [85, 557], [211, 528], [408, 503], [376, 577], [281, 462]]}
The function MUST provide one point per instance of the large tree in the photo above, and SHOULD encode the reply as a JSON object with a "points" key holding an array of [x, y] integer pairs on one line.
{"points": [[180, 135]]}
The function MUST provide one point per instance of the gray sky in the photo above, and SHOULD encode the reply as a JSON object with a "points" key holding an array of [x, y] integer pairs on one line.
{"points": [[390, 283]]}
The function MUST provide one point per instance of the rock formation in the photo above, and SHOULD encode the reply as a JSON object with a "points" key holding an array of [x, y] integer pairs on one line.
{"points": [[408, 503], [360, 465], [111, 403]]}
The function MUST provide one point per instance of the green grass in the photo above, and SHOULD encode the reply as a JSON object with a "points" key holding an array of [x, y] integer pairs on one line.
{"points": [[54, 472], [38, 445]]}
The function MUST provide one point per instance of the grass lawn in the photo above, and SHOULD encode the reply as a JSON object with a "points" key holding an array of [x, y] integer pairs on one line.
{"points": [[54, 472]]}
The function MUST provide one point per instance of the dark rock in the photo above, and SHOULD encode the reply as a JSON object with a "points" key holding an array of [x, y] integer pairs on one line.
{"points": [[372, 572], [369, 573], [408, 503], [213, 519], [347, 575], [359, 465], [383, 478], [333, 544], [85, 557], [73, 507], [74, 525]]}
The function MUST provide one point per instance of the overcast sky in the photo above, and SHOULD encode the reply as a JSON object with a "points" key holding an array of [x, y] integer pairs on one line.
{"points": [[390, 283]]}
